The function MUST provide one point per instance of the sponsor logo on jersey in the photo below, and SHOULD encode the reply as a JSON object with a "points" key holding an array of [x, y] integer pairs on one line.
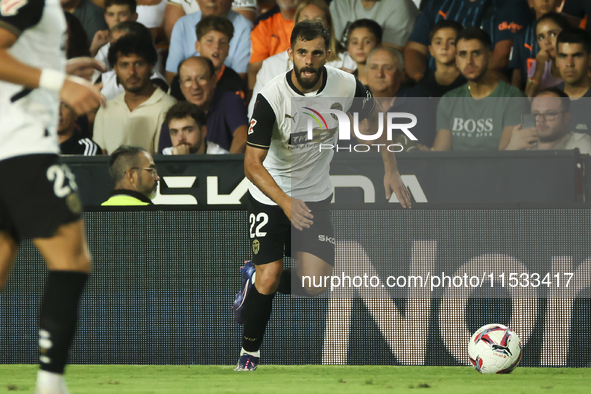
{"points": [[514, 27], [251, 126], [11, 7], [256, 246]]}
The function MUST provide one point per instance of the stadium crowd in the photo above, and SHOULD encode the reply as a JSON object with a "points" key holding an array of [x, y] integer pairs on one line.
{"points": [[418, 56]]}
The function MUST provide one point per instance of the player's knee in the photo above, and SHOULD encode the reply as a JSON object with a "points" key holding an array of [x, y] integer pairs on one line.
{"points": [[267, 280]]}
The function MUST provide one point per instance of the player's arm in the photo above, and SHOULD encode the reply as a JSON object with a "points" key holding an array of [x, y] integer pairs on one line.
{"points": [[75, 91], [257, 145], [367, 107]]}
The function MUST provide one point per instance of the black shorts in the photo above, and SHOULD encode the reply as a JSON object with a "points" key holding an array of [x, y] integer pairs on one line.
{"points": [[272, 236], [38, 194]]}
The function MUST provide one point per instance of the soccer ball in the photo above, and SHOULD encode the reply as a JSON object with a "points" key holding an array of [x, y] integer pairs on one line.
{"points": [[494, 348]]}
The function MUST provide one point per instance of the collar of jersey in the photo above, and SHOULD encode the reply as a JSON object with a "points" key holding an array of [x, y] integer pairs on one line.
{"points": [[292, 86]]}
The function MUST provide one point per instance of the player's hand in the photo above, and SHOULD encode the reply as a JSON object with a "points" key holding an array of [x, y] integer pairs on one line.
{"points": [[81, 95], [82, 66], [101, 38], [299, 214], [182, 149], [393, 182], [523, 139]]}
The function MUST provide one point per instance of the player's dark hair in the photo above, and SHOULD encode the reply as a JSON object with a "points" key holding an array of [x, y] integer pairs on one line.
{"points": [[309, 30], [132, 44], [445, 24], [574, 35], [183, 109], [558, 19], [564, 99], [214, 23], [204, 59], [122, 159], [373, 26], [77, 39], [132, 4], [474, 33]]}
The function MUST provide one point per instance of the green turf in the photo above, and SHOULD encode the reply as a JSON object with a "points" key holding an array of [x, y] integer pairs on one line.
{"points": [[309, 379]]}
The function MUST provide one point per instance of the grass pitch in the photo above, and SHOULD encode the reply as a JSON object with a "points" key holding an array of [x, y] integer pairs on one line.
{"points": [[308, 379]]}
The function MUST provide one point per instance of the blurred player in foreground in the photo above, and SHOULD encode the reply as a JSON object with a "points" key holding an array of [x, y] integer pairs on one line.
{"points": [[39, 198], [270, 164]]}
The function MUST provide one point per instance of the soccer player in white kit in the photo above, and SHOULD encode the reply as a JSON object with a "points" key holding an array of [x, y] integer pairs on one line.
{"points": [[290, 189], [38, 196]]}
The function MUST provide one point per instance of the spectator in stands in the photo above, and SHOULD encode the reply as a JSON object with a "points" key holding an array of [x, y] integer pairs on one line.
{"points": [[280, 63], [135, 177], [214, 34], [176, 9], [187, 124], [465, 119], [446, 76], [551, 108], [271, 35], [70, 139], [136, 115], [396, 17], [501, 19], [547, 29], [116, 11], [363, 36], [573, 49], [89, 14], [525, 43], [385, 72], [184, 36], [112, 86], [226, 113]]}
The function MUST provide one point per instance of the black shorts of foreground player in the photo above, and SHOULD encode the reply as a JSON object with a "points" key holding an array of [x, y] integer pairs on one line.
{"points": [[280, 205], [38, 197]]}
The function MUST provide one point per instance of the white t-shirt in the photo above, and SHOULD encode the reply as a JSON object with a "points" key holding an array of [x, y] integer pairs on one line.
{"points": [[211, 148], [574, 140], [397, 17], [29, 117], [297, 164], [191, 6], [280, 63], [151, 16]]}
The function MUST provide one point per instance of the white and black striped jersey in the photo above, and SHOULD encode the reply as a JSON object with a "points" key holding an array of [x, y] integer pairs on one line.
{"points": [[28, 118], [298, 165]]}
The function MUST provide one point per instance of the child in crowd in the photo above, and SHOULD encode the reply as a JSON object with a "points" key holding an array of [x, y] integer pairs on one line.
{"points": [[363, 36], [116, 11], [213, 42], [543, 72], [443, 50]]}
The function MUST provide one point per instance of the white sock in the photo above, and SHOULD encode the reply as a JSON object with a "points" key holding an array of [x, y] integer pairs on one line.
{"points": [[255, 354], [49, 382]]}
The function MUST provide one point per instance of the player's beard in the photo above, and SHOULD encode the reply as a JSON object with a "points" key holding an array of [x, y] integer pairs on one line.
{"points": [[307, 83], [146, 190]]}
